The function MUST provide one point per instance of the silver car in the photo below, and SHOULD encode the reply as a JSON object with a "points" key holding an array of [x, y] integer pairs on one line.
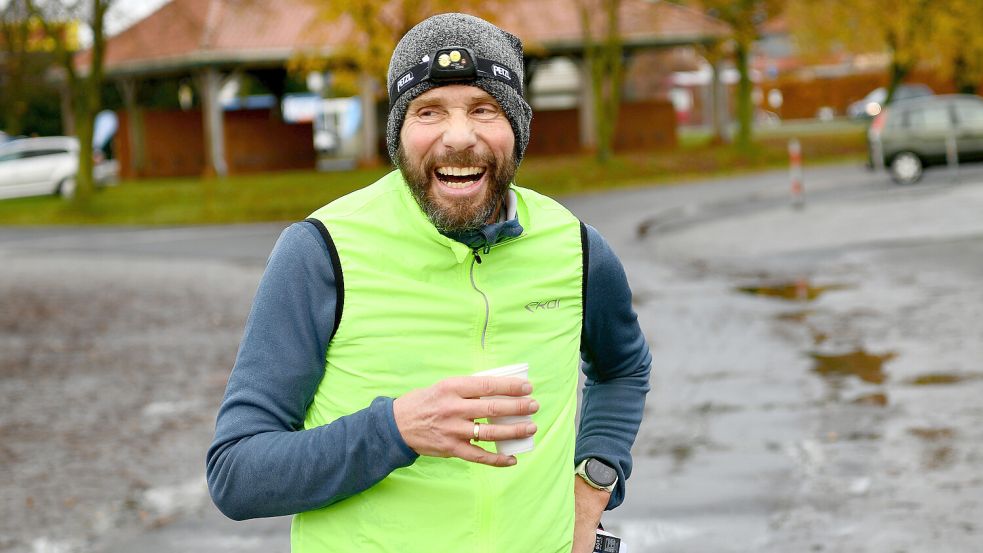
{"points": [[37, 166], [913, 134], [872, 104]]}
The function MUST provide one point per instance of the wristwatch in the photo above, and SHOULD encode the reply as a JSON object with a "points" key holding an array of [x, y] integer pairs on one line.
{"points": [[597, 474]]}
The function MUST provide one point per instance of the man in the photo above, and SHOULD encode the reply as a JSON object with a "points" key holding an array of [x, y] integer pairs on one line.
{"points": [[351, 403]]}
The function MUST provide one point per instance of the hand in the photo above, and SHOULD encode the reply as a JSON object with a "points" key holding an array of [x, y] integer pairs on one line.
{"points": [[590, 503], [438, 421]]}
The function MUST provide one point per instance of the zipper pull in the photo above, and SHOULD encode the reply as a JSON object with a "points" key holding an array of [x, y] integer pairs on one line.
{"points": [[477, 257]]}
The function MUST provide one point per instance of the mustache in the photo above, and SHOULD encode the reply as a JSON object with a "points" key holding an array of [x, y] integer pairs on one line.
{"points": [[465, 158]]}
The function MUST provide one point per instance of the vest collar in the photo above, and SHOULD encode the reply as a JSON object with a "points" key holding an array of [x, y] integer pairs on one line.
{"points": [[462, 244], [487, 236]]}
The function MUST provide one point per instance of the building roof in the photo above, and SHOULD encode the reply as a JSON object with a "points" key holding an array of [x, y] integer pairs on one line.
{"points": [[184, 34], [554, 25]]}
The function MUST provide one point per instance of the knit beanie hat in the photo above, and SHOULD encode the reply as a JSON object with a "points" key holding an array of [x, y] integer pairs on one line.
{"points": [[486, 41]]}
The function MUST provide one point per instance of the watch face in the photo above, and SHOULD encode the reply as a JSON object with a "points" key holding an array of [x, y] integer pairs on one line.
{"points": [[600, 473]]}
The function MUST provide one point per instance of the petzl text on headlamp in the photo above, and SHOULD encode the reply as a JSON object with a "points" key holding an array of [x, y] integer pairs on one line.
{"points": [[454, 64]]}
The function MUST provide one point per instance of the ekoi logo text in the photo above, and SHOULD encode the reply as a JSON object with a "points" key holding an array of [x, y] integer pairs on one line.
{"points": [[535, 306]]}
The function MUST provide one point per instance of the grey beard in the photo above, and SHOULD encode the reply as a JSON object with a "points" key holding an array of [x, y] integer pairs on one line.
{"points": [[463, 215]]}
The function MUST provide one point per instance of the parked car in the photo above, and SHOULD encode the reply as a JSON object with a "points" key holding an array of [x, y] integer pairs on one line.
{"points": [[45, 165], [913, 134], [872, 104]]}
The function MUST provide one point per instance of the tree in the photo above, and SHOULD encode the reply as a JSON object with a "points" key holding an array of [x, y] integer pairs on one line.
{"points": [[84, 84], [15, 29], [28, 103], [377, 25], [905, 29], [745, 18], [603, 54], [957, 41]]}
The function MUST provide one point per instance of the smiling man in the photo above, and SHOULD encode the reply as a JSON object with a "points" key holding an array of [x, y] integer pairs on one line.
{"points": [[353, 402], [456, 154]]}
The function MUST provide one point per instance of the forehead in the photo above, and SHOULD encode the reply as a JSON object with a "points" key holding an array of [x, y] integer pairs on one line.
{"points": [[455, 93]]}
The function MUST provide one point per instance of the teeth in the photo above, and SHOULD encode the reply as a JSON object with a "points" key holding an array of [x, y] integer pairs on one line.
{"points": [[460, 171], [459, 184]]}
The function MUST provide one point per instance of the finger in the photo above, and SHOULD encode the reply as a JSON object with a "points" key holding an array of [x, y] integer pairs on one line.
{"points": [[498, 432], [484, 386], [481, 456], [501, 407]]}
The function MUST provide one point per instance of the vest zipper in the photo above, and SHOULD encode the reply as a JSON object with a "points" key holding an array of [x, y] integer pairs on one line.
{"points": [[484, 330]]}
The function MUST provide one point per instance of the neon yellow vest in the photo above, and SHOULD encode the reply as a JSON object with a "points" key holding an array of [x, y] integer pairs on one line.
{"points": [[417, 309]]}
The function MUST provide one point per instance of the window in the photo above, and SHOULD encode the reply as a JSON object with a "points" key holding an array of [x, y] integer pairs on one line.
{"points": [[933, 117], [45, 152], [969, 114], [895, 119]]}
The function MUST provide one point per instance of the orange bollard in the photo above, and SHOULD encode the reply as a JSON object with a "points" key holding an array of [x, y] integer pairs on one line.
{"points": [[795, 173]]}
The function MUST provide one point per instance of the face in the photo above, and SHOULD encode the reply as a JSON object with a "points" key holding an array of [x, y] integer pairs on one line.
{"points": [[457, 155]]}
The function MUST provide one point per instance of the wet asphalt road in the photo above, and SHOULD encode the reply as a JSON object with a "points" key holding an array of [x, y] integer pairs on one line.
{"points": [[843, 416]]}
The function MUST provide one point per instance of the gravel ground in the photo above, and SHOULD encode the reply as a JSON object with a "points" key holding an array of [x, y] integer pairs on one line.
{"points": [[845, 422], [111, 371]]}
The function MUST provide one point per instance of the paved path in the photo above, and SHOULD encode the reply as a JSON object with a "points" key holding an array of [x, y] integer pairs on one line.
{"points": [[744, 447]]}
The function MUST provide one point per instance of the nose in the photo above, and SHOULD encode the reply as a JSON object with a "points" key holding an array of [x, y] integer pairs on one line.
{"points": [[459, 135]]}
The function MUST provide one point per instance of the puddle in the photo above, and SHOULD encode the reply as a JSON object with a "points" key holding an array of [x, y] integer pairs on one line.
{"points": [[795, 316], [932, 434], [795, 290], [710, 408], [939, 457], [801, 317], [681, 454], [859, 363], [935, 379], [878, 399], [936, 455], [862, 436], [639, 299]]}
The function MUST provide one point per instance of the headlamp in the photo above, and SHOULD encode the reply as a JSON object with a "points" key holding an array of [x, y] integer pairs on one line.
{"points": [[455, 64]]}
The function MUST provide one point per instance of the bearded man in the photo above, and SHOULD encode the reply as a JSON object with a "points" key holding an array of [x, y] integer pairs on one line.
{"points": [[353, 403]]}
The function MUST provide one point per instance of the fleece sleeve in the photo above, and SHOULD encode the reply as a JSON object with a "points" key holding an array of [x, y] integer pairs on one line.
{"points": [[263, 462], [616, 364]]}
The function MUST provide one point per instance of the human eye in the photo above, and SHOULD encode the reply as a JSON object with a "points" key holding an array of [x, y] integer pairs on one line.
{"points": [[427, 113], [485, 111]]}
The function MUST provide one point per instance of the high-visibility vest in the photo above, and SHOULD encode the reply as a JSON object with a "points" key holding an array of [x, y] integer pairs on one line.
{"points": [[418, 308]]}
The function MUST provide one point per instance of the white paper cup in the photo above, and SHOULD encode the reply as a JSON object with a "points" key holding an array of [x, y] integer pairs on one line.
{"points": [[510, 447]]}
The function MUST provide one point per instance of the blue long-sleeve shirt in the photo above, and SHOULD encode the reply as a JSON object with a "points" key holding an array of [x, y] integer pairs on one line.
{"points": [[262, 463]]}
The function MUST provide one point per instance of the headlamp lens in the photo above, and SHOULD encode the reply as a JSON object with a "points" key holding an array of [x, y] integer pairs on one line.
{"points": [[453, 64]]}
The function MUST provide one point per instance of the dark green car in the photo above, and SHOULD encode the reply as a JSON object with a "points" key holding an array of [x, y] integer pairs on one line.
{"points": [[913, 134]]}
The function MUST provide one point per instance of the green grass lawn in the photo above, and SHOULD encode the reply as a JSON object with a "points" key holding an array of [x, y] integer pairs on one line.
{"points": [[293, 195]]}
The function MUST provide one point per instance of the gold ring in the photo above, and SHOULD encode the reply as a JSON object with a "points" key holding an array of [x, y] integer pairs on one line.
{"points": [[476, 428]]}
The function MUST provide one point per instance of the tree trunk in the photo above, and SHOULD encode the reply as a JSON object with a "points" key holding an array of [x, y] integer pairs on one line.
{"points": [[369, 151], [87, 98], [745, 108], [604, 57], [898, 72], [14, 39], [715, 108], [85, 116], [963, 84]]}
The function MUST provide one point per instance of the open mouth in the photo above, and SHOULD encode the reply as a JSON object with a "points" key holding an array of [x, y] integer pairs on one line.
{"points": [[459, 177]]}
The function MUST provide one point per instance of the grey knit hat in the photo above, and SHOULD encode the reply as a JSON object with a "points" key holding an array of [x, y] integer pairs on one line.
{"points": [[485, 41]]}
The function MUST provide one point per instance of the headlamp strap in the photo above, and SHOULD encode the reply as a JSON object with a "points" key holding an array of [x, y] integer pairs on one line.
{"points": [[423, 71]]}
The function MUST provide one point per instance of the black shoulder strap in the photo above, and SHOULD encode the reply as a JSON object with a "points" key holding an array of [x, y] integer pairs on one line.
{"points": [[336, 267], [585, 248]]}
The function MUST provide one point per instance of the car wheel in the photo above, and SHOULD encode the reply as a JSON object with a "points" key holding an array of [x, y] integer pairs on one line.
{"points": [[906, 168], [66, 188]]}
